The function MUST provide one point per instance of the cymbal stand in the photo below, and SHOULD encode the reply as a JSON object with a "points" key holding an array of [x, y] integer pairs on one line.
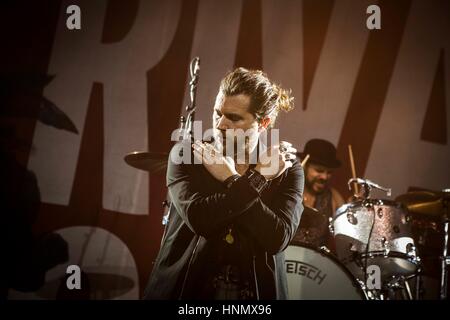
{"points": [[445, 259]]}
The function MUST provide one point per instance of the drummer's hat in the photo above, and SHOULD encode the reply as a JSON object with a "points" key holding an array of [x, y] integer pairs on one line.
{"points": [[321, 152]]}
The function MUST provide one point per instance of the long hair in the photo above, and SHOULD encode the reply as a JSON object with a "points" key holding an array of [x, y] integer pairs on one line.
{"points": [[266, 97]]}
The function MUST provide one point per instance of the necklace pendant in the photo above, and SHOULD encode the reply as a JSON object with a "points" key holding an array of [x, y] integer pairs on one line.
{"points": [[229, 238]]}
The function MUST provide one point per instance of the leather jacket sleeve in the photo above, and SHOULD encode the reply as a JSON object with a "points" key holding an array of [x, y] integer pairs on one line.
{"points": [[274, 224], [205, 212]]}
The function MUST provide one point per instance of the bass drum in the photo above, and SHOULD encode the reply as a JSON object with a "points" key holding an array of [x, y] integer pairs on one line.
{"points": [[315, 274]]}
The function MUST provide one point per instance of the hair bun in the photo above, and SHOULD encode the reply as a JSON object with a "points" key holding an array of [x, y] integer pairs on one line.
{"points": [[285, 101]]}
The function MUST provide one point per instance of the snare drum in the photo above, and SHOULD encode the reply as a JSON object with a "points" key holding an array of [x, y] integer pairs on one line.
{"points": [[314, 274], [376, 232], [312, 230]]}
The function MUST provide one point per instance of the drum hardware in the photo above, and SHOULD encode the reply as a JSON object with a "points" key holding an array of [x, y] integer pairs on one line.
{"points": [[406, 219], [367, 193], [325, 249], [368, 204], [153, 162], [418, 287], [374, 294], [433, 204], [380, 213], [385, 246], [411, 250], [330, 226], [401, 285], [367, 187], [445, 258], [408, 289], [351, 217], [371, 294], [395, 286]]}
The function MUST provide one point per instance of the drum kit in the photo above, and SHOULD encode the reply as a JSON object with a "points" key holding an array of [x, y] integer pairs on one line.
{"points": [[383, 249], [406, 240]]}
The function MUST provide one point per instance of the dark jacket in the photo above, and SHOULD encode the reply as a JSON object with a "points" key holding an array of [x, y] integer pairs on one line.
{"points": [[203, 210]]}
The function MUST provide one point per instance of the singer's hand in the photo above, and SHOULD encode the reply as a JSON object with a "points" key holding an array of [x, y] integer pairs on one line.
{"points": [[276, 160], [219, 166]]}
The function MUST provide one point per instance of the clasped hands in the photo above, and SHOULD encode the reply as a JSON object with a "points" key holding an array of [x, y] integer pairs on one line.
{"points": [[271, 163]]}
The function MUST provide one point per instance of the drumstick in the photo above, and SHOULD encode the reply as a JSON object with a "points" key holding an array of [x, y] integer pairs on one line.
{"points": [[305, 160], [352, 165]]}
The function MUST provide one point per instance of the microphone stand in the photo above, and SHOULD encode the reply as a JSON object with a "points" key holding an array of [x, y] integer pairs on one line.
{"points": [[368, 185], [445, 259], [186, 124]]}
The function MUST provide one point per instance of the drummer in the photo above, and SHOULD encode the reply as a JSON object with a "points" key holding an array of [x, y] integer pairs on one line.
{"points": [[318, 193]]}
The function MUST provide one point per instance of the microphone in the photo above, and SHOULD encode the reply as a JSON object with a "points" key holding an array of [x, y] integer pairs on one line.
{"points": [[195, 66], [369, 184]]}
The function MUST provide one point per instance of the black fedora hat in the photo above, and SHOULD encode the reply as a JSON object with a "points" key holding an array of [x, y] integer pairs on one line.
{"points": [[321, 152]]}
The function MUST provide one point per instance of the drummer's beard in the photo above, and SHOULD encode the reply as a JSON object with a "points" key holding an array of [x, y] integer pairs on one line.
{"points": [[316, 185]]}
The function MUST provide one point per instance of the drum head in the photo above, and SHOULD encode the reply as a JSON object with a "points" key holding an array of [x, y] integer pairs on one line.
{"points": [[317, 275]]}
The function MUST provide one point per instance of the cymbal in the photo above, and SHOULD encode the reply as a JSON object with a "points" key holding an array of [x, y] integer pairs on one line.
{"points": [[430, 203], [153, 162]]}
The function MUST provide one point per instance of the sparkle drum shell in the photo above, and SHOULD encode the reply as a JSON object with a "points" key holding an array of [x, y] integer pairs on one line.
{"points": [[378, 230]]}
